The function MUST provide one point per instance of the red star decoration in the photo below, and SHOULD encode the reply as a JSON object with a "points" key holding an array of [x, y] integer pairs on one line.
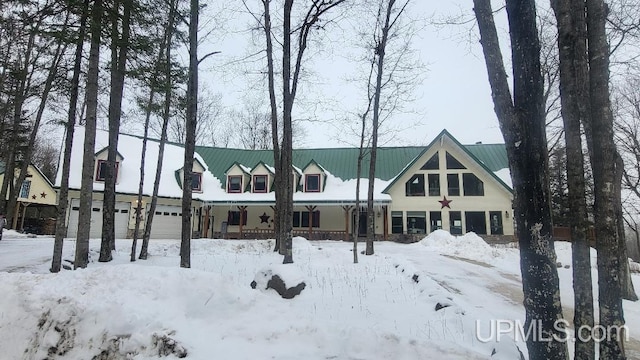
{"points": [[445, 203], [33, 197], [43, 195], [264, 218]]}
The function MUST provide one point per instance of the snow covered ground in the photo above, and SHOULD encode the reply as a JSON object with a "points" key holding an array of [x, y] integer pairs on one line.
{"points": [[382, 308]]}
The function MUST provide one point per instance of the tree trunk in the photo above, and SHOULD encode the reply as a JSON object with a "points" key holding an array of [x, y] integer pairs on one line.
{"points": [[522, 121], [119, 50], [380, 52], [574, 92], [164, 51], [190, 141], [19, 97], [88, 161], [63, 198], [604, 181], [274, 124], [626, 282], [288, 96]]}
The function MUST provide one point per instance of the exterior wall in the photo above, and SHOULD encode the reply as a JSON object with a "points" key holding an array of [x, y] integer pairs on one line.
{"points": [[332, 219], [313, 169], [496, 197], [262, 170], [39, 185], [103, 155], [237, 171], [195, 168], [132, 200]]}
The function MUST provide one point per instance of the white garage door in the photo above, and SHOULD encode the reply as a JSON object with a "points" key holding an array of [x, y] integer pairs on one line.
{"points": [[167, 222], [121, 219]]}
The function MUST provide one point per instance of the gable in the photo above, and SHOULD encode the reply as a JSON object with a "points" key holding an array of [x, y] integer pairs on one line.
{"points": [[443, 144], [104, 153]]}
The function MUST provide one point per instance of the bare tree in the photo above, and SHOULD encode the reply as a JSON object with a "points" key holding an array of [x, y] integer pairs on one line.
{"points": [[522, 121], [574, 90], [291, 68], [190, 138], [63, 197], [388, 15], [119, 50], [163, 62], [88, 163]]}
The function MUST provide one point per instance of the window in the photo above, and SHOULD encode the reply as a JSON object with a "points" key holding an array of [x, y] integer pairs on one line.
{"points": [[102, 170], [453, 185], [472, 185], [416, 222], [476, 222], [415, 185], [434, 184], [301, 219], [396, 222], [436, 220], [234, 184], [455, 222], [233, 218], [453, 163], [432, 163], [495, 219], [196, 181], [259, 183], [312, 183], [25, 188]]}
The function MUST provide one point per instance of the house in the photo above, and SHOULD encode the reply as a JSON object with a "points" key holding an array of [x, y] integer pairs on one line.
{"points": [[444, 185], [35, 209]]}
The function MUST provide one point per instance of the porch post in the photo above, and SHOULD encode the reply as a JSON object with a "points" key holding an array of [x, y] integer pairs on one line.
{"points": [[347, 209], [206, 222], [385, 223], [24, 213], [311, 209], [16, 213], [242, 209]]}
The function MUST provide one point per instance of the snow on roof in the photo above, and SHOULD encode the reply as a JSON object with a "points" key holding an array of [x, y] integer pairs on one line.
{"points": [[270, 168], [505, 176], [129, 170], [335, 191]]}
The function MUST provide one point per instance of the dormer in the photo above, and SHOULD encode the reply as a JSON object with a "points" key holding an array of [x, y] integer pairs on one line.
{"points": [[262, 178], [314, 176], [196, 176], [238, 178], [297, 177], [101, 165]]}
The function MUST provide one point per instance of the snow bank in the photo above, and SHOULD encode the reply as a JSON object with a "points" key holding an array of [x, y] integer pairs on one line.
{"points": [[468, 246]]}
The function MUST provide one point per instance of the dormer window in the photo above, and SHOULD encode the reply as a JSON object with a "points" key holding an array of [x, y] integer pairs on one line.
{"points": [[101, 170], [196, 181], [259, 183], [234, 184], [312, 183]]}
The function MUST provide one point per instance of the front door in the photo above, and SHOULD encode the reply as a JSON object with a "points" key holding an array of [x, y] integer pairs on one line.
{"points": [[362, 226]]}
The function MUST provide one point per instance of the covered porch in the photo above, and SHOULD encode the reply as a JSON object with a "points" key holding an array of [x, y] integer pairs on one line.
{"points": [[312, 220]]}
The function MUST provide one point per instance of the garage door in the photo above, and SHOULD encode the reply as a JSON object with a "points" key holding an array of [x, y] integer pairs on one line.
{"points": [[167, 222], [121, 219]]}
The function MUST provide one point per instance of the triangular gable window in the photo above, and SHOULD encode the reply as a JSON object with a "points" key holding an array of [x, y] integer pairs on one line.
{"points": [[431, 164], [453, 163]]}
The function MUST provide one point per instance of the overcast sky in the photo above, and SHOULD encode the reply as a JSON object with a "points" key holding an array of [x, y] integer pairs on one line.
{"points": [[453, 93]]}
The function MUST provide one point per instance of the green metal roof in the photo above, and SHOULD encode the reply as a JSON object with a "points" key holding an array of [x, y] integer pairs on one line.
{"points": [[342, 162], [493, 156]]}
